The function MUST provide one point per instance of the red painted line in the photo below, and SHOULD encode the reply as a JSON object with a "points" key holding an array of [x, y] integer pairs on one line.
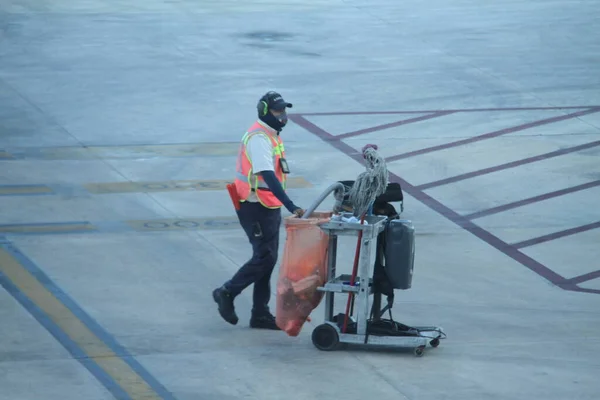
{"points": [[531, 200], [556, 235], [438, 207], [509, 165], [584, 290], [584, 278], [450, 110], [392, 124], [494, 134], [327, 137]]}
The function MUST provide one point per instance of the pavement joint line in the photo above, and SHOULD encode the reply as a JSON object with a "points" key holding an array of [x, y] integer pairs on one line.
{"points": [[99, 188], [125, 151], [161, 224], [108, 361], [134, 225], [294, 182]]}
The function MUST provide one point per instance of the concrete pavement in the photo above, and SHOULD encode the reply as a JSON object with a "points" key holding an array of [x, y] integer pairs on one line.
{"points": [[118, 129]]}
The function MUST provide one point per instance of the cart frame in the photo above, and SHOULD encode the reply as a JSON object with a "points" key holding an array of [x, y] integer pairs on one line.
{"points": [[328, 335]]}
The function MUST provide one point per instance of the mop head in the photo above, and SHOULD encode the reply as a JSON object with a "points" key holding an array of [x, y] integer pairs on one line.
{"points": [[369, 184]]}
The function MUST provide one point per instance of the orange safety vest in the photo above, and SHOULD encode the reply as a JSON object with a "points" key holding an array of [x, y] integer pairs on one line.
{"points": [[245, 180]]}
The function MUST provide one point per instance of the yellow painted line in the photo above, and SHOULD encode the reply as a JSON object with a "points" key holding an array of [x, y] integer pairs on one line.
{"points": [[75, 329], [47, 228], [175, 186], [184, 224], [24, 190], [142, 151]]}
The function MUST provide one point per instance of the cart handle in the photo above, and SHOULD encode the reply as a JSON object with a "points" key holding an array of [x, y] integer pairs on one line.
{"points": [[339, 190]]}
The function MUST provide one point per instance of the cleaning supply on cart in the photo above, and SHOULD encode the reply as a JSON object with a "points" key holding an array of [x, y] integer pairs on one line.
{"points": [[368, 185], [303, 270], [351, 219]]}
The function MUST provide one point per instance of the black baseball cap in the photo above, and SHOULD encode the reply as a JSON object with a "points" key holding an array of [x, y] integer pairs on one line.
{"points": [[275, 101]]}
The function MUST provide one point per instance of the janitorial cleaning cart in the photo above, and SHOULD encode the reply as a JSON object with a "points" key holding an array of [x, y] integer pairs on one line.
{"points": [[369, 326], [363, 210]]}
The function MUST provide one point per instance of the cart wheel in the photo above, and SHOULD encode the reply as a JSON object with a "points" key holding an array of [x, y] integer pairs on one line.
{"points": [[325, 337], [435, 342], [419, 351]]}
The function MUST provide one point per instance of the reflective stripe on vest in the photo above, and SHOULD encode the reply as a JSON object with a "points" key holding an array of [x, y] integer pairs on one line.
{"points": [[246, 182]]}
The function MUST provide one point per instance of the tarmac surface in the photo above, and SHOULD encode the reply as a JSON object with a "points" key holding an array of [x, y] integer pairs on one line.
{"points": [[119, 126]]}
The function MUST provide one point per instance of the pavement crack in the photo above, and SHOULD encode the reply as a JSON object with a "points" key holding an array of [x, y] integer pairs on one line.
{"points": [[381, 376]]}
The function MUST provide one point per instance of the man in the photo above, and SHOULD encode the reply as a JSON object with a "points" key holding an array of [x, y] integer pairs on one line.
{"points": [[260, 187]]}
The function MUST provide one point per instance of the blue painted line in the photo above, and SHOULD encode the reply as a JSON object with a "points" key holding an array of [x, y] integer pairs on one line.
{"points": [[90, 323], [62, 338]]}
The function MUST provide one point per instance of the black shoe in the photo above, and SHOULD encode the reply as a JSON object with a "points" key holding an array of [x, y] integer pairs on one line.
{"points": [[225, 301], [264, 321]]}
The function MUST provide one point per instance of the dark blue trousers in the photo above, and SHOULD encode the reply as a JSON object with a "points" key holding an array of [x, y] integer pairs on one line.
{"points": [[262, 227]]}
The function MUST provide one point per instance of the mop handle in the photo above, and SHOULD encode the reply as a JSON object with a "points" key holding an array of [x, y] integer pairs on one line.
{"points": [[354, 273]]}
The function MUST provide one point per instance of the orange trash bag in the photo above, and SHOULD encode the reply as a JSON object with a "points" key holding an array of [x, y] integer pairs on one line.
{"points": [[303, 269]]}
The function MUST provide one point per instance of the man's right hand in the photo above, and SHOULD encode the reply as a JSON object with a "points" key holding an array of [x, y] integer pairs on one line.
{"points": [[298, 212]]}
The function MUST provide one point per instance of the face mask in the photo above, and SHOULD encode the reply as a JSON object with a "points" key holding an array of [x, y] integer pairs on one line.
{"points": [[282, 118], [274, 122]]}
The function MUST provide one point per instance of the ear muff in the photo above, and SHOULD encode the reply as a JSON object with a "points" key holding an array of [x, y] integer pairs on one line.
{"points": [[263, 108]]}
